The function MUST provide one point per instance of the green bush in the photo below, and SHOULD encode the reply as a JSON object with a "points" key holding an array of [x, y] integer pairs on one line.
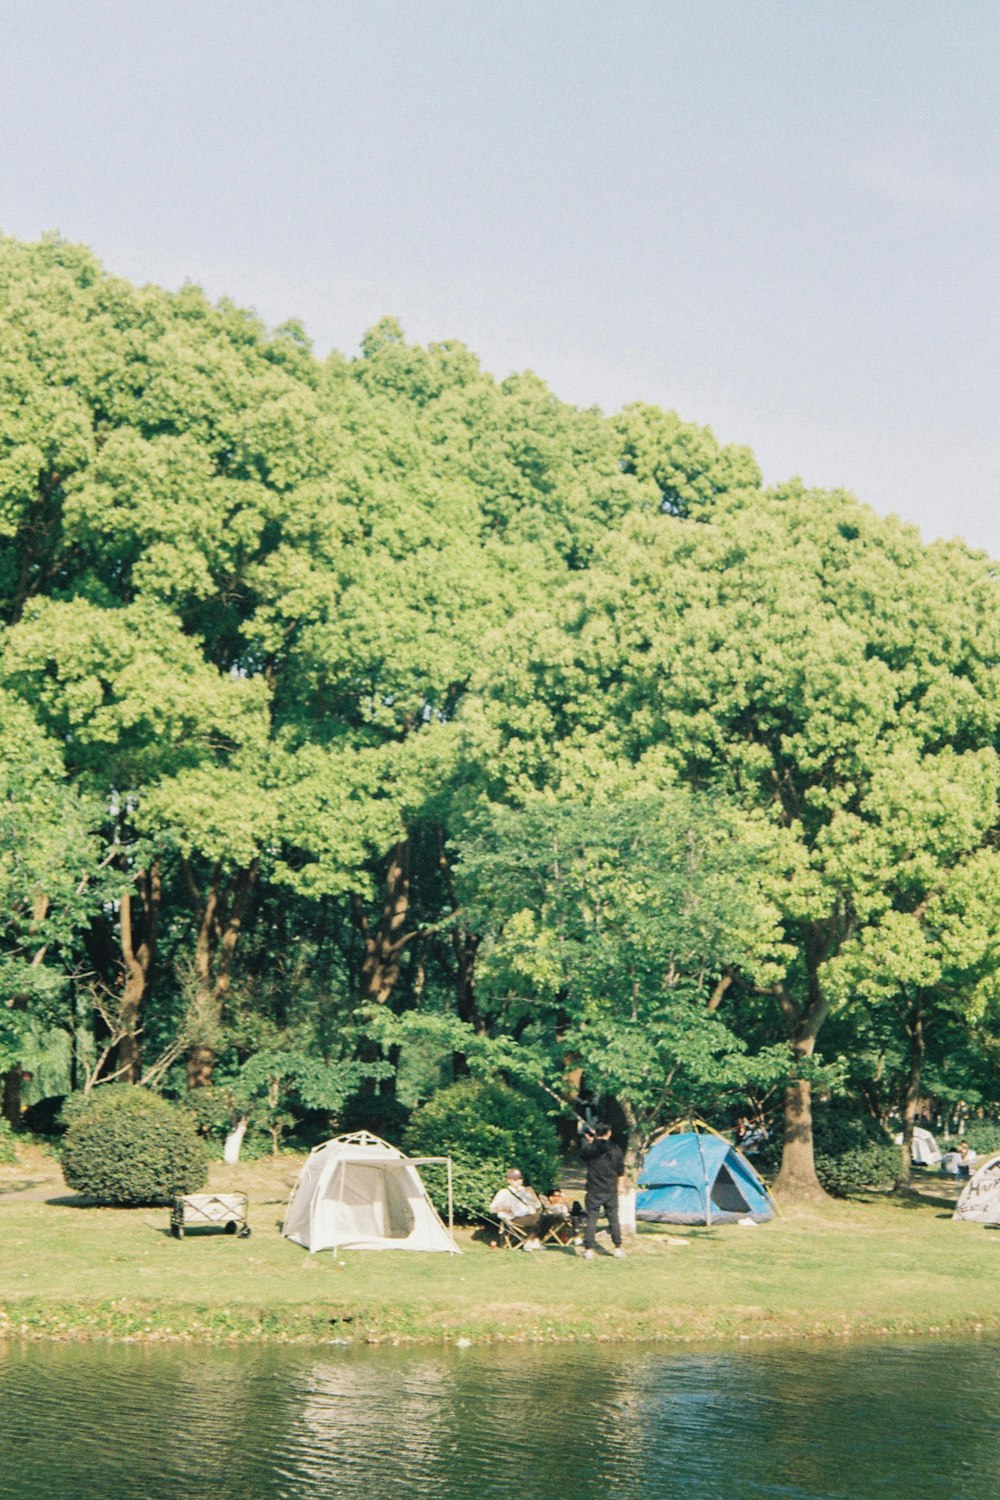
{"points": [[212, 1109], [852, 1152], [485, 1128], [982, 1135], [127, 1146], [7, 1152], [870, 1166], [75, 1106]]}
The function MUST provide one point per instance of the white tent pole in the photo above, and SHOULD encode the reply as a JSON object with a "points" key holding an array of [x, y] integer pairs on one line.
{"points": [[451, 1211]]}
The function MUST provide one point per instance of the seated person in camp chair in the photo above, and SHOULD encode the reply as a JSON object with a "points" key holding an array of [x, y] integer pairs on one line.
{"points": [[525, 1215], [570, 1227]]}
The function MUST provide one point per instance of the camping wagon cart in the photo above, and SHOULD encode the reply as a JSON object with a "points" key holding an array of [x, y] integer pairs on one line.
{"points": [[225, 1211]]}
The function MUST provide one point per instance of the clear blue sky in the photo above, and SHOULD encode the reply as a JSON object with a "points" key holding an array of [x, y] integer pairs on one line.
{"points": [[780, 217]]}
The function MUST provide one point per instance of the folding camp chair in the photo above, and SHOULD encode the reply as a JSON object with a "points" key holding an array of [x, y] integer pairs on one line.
{"points": [[510, 1236], [513, 1236]]}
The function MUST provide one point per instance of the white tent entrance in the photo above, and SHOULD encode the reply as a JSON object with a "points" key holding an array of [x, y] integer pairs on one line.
{"points": [[980, 1198], [359, 1193]]}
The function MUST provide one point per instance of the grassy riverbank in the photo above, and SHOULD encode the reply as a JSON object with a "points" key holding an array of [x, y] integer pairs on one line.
{"points": [[868, 1268]]}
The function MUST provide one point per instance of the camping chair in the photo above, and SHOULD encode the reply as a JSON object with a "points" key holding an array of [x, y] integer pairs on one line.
{"points": [[513, 1236], [570, 1225]]}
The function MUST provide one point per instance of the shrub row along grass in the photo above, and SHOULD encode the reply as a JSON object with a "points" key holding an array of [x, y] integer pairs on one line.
{"points": [[876, 1267]]}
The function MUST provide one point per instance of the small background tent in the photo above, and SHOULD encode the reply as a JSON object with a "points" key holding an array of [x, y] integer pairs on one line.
{"points": [[979, 1200], [697, 1177], [359, 1193], [926, 1151]]}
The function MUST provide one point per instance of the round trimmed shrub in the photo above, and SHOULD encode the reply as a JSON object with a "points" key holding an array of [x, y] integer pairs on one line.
{"points": [[127, 1146], [485, 1128]]}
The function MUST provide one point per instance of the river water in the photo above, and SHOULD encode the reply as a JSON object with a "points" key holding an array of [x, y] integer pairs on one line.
{"points": [[141, 1423]]}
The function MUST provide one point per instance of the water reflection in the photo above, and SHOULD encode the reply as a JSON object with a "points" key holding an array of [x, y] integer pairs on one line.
{"points": [[141, 1423]]}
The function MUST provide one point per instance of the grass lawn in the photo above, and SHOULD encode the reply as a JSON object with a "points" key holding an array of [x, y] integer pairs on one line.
{"points": [[881, 1266]]}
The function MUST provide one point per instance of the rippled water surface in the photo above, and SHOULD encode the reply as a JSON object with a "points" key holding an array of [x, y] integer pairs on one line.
{"points": [[133, 1423]]}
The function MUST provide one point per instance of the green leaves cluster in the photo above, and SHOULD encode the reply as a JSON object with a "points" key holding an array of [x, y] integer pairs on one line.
{"points": [[608, 925], [485, 1128]]}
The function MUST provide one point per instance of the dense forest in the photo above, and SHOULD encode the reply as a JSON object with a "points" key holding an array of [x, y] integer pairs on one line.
{"points": [[370, 723]]}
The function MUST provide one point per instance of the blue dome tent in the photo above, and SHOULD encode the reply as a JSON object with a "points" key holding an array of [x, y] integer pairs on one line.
{"points": [[696, 1177]]}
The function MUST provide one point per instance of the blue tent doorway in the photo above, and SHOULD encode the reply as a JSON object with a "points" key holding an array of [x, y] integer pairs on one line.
{"points": [[692, 1176]]}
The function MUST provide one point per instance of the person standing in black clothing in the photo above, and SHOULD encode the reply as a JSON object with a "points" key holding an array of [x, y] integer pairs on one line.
{"points": [[605, 1164]]}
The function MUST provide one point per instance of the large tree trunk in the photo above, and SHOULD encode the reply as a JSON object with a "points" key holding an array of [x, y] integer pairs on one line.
{"points": [[220, 922], [384, 947], [797, 1181], [915, 1031], [11, 1108], [633, 1144], [465, 946], [383, 951], [138, 943]]}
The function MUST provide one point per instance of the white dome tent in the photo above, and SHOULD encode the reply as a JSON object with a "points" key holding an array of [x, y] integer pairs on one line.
{"points": [[980, 1198], [925, 1150], [357, 1192]]}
